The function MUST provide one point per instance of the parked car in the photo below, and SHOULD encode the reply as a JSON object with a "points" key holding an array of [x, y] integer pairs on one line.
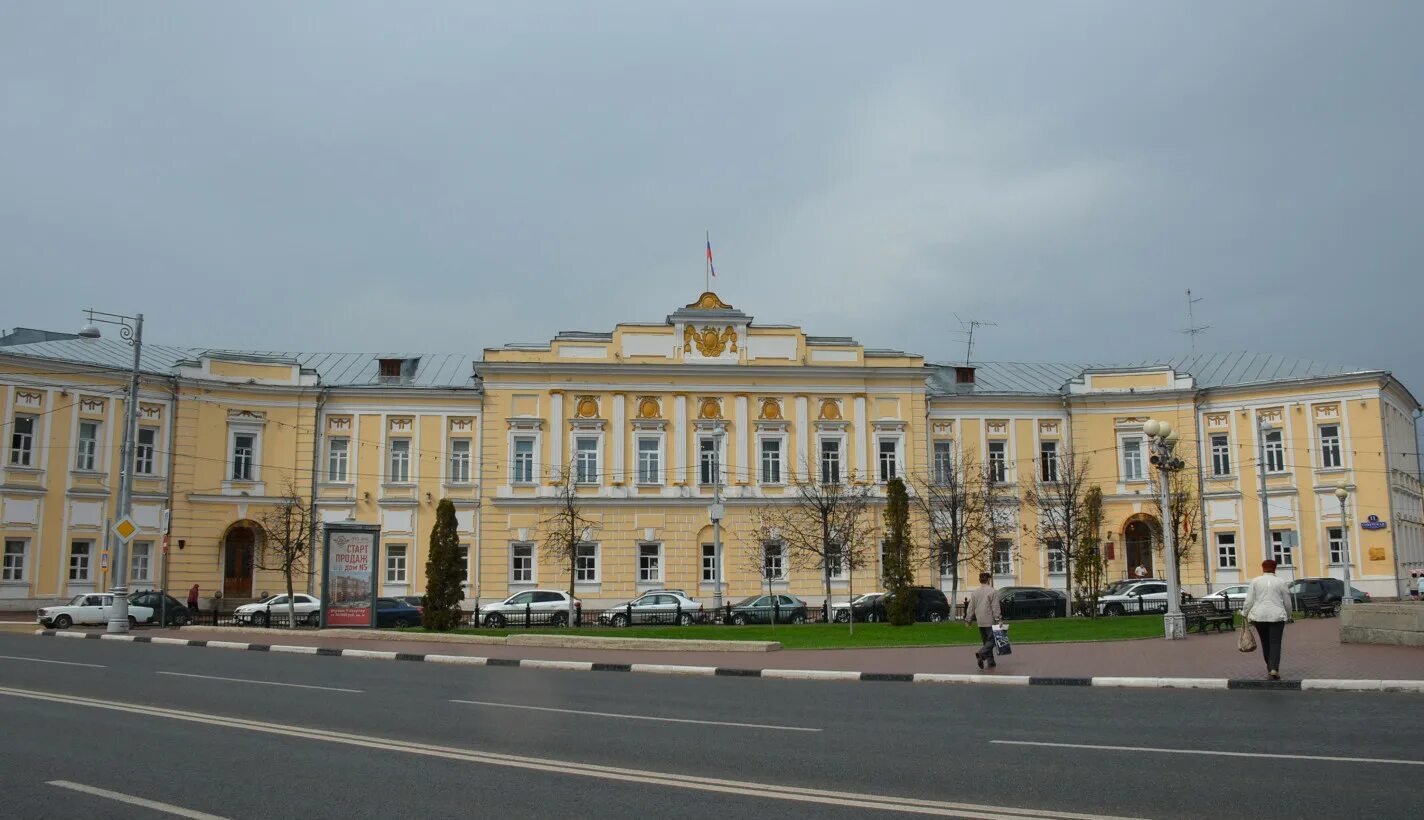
{"points": [[1144, 596], [1116, 587], [1032, 602], [759, 609], [1233, 595], [88, 609], [654, 608], [396, 612], [867, 608], [542, 607], [167, 610], [308, 610], [417, 601], [930, 604], [1328, 590]]}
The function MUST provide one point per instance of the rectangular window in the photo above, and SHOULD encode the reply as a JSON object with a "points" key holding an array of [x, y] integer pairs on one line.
{"points": [[338, 457], [889, 457], [1226, 550], [523, 461], [1329, 446], [586, 460], [943, 462], [709, 564], [773, 566], [22, 441], [1003, 558], [1335, 536], [521, 564], [835, 561], [650, 563], [395, 563], [1056, 561], [140, 561], [830, 461], [1275, 452], [79, 553], [586, 563], [143, 450], [460, 461], [464, 552], [999, 462], [1131, 459], [400, 461], [1220, 454], [771, 461], [946, 565], [1282, 542], [706, 460], [1048, 461], [244, 449], [15, 553], [650, 469], [87, 446]]}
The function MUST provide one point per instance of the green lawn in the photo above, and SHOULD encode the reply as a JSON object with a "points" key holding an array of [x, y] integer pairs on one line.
{"points": [[834, 636]]}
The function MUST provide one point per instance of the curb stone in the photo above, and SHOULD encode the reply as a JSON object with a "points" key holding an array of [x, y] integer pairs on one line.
{"points": [[1244, 684]]}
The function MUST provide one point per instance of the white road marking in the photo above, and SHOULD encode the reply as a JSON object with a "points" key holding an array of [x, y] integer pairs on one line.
{"points": [[261, 682], [765, 791], [1323, 758], [47, 660], [120, 797], [636, 717]]}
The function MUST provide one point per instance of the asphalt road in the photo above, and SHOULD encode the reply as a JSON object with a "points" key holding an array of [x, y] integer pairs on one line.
{"points": [[344, 738]]}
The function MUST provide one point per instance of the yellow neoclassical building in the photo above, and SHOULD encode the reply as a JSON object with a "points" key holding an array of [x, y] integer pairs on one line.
{"points": [[632, 417]]}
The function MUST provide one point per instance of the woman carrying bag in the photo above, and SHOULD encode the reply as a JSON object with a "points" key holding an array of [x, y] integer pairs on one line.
{"points": [[1267, 608]]}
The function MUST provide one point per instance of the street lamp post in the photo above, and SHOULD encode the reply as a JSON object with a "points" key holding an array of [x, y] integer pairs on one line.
{"points": [[131, 331], [1342, 493], [1162, 439], [716, 514]]}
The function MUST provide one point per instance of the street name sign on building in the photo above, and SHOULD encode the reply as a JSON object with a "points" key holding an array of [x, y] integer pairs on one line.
{"points": [[125, 528]]}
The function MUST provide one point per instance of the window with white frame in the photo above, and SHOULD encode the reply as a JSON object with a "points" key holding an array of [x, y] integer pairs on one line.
{"points": [[16, 551], [460, 449], [586, 563], [836, 565], [1330, 446], [888, 458], [1226, 550], [709, 564], [244, 454], [945, 559], [944, 462], [1275, 451], [141, 562], [463, 551], [773, 564], [80, 553], [338, 459], [1048, 461], [707, 461], [998, 461], [586, 459], [771, 461], [1335, 538], [398, 470], [144, 448], [650, 468], [1281, 551], [395, 563], [1220, 454], [87, 446], [22, 441], [1057, 562], [523, 462], [830, 461], [650, 563], [1003, 557], [521, 563], [1131, 458]]}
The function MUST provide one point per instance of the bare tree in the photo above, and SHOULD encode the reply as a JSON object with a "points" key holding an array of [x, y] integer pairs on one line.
{"points": [[1089, 564], [1185, 515], [287, 540], [953, 503], [565, 529], [1058, 494]]}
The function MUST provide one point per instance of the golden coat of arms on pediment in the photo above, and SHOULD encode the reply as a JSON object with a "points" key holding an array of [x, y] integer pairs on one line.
{"points": [[709, 341], [709, 301]]}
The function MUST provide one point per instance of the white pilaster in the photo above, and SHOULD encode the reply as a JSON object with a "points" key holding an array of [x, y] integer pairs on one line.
{"points": [[619, 408], [743, 473], [556, 435], [862, 437], [679, 439], [806, 460]]}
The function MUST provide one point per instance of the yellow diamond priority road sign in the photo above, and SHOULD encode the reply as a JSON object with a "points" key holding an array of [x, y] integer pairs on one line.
{"points": [[125, 528]]}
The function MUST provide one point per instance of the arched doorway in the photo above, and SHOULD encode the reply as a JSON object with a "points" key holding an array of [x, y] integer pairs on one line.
{"points": [[239, 553], [1138, 538]]}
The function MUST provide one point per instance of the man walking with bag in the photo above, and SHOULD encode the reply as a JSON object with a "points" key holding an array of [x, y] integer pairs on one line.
{"points": [[983, 610]]}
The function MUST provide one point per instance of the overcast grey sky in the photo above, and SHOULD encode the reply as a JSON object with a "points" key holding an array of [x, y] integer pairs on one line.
{"points": [[451, 176]]}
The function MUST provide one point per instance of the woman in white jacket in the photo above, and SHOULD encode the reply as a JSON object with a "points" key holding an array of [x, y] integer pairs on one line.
{"points": [[1267, 608]]}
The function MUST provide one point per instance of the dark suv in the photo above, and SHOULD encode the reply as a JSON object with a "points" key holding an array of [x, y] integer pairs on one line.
{"points": [[1328, 590], [930, 604]]}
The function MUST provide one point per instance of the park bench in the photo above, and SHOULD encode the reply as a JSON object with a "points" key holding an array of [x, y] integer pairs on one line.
{"points": [[1312, 605], [1202, 614]]}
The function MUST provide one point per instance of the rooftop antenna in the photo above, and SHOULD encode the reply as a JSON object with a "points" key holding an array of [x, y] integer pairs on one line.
{"points": [[1193, 329], [968, 332]]}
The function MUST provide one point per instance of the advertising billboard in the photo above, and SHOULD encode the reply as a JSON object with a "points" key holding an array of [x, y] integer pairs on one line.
{"points": [[348, 574]]}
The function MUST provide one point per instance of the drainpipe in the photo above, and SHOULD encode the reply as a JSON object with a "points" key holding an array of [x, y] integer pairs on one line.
{"points": [[172, 458], [315, 476], [1201, 494], [1067, 558]]}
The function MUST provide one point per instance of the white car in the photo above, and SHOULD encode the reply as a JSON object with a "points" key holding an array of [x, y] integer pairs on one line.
{"points": [[1235, 593], [538, 607], [308, 610], [91, 608], [1143, 596], [663, 607]]}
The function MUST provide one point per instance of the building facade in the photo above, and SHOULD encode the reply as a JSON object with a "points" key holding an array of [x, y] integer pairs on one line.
{"points": [[647, 422]]}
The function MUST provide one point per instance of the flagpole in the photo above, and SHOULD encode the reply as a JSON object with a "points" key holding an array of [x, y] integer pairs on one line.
{"points": [[707, 266]]}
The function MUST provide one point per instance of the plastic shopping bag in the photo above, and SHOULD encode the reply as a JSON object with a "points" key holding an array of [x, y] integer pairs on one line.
{"points": [[1001, 639], [1246, 642]]}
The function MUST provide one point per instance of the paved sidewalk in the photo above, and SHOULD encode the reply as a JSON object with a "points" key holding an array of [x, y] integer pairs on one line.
{"points": [[1312, 650]]}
